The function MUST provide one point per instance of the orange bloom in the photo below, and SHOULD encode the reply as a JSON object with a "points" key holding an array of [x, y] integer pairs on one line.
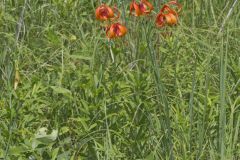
{"points": [[116, 30], [104, 12], [167, 15], [142, 8]]}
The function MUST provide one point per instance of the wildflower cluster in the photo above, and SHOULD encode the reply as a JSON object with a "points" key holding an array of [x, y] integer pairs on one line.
{"points": [[168, 15], [106, 13]]}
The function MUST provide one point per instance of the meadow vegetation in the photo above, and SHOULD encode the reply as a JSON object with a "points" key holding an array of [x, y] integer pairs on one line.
{"points": [[67, 92]]}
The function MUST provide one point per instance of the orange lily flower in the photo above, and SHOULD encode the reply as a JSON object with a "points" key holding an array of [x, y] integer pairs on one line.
{"points": [[142, 8], [104, 12], [116, 30], [167, 15]]}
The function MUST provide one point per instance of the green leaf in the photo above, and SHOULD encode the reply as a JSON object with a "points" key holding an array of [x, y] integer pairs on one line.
{"points": [[43, 137], [1, 153], [64, 130], [80, 57], [17, 150], [150, 157], [55, 153], [60, 90]]}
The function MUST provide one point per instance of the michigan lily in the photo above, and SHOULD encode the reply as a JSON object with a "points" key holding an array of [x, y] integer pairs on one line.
{"points": [[104, 12], [142, 8], [116, 30], [168, 15]]}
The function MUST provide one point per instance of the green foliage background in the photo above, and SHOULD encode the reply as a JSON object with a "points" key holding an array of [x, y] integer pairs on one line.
{"points": [[158, 96]]}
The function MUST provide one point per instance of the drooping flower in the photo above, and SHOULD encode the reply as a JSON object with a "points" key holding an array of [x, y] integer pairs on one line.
{"points": [[116, 30], [142, 8], [168, 15], [104, 12]]}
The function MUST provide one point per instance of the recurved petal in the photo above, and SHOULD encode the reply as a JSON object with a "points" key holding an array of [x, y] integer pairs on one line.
{"points": [[97, 13], [171, 19], [122, 30], [110, 32], [165, 8], [131, 7], [160, 20], [142, 7], [179, 6], [148, 4], [137, 9], [110, 13]]}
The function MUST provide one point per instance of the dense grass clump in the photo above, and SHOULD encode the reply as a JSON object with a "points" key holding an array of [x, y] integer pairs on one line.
{"points": [[67, 92]]}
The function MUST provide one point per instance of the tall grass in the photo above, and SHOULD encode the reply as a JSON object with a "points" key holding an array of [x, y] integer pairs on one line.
{"points": [[145, 96]]}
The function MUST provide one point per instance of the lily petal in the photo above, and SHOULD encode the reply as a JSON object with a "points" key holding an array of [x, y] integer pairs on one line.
{"points": [[160, 20], [150, 6], [179, 6], [123, 30], [171, 19], [137, 9]]}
